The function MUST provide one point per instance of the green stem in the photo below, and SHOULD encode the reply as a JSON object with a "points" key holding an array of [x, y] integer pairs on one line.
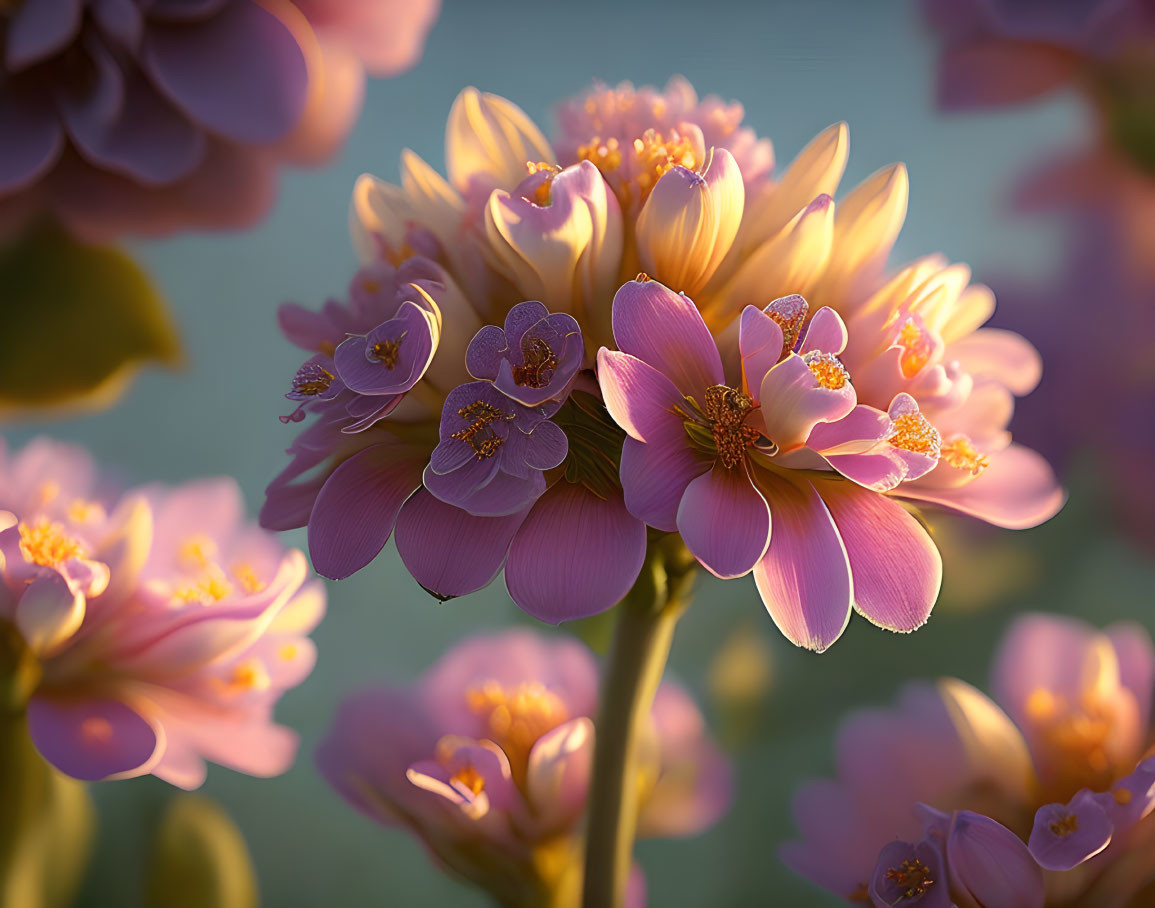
{"points": [[642, 638]]}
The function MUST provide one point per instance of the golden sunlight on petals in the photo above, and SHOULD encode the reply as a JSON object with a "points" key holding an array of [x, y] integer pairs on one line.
{"points": [[377, 213], [488, 141], [689, 223]]}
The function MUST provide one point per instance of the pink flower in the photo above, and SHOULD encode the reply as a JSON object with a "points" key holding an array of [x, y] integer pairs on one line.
{"points": [[165, 627], [1062, 778], [137, 117], [487, 760], [736, 403]]}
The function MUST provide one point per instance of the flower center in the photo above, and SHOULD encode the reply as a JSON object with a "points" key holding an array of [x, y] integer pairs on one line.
{"points": [[469, 779], [913, 876], [961, 454], [605, 156], [312, 379], [387, 351], [210, 586], [45, 543], [655, 155], [725, 410], [1077, 735], [538, 363], [913, 432], [479, 433], [1065, 826], [542, 192], [827, 369], [917, 346], [517, 717]]}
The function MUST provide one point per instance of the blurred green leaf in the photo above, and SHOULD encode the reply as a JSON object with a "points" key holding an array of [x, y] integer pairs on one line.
{"points": [[78, 320], [200, 859]]}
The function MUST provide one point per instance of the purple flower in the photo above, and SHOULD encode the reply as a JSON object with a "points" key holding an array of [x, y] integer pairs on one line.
{"points": [[487, 761], [493, 452], [534, 359]]}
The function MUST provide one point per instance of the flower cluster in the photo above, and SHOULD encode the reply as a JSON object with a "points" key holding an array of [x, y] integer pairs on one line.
{"points": [[951, 799], [487, 760], [164, 628], [763, 386], [147, 117]]}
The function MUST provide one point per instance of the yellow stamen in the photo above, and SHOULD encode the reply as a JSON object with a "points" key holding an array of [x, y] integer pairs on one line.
{"points": [[517, 717], [479, 433], [918, 347], [387, 352], [962, 455], [289, 652], [827, 369], [727, 408], [605, 156], [541, 194], [197, 552], [249, 675], [468, 778], [81, 511], [913, 432], [1065, 826], [655, 155], [247, 578], [45, 543], [913, 876], [211, 586]]}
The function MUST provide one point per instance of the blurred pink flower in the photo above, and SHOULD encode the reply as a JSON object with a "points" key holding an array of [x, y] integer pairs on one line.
{"points": [[1063, 779], [166, 628], [766, 353], [487, 760], [121, 116]]}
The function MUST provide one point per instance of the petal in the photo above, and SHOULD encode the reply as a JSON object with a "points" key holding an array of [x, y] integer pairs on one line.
{"points": [[760, 344], [449, 552], [1018, 490], [576, 554], [1065, 835], [1001, 356], [33, 138], [94, 739], [987, 73], [488, 141], [724, 521], [357, 507], [804, 577], [826, 333], [794, 402], [415, 333], [38, 30], [238, 73], [639, 397], [1136, 661], [665, 330], [495, 493], [655, 475], [49, 612], [558, 775], [896, 567], [885, 891], [991, 865]]}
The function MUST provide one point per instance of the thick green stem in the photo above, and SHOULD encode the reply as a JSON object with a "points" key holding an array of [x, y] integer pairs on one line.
{"points": [[642, 639]]}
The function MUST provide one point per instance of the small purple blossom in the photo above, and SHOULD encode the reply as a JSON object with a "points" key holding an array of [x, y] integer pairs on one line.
{"points": [[315, 380], [391, 358], [492, 453], [534, 359]]}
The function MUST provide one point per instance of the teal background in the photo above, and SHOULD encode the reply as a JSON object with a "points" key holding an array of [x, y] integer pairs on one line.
{"points": [[797, 67]]}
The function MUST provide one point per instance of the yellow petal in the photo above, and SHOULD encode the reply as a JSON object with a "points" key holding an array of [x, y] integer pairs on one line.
{"points": [[488, 142], [378, 212]]}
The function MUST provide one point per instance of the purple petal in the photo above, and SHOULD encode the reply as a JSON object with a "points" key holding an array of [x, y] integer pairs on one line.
{"points": [[760, 344], [32, 137], [93, 739], [804, 577], [895, 566], [794, 402], [449, 552], [909, 874], [393, 357], [666, 330], [356, 508], [521, 318], [1065, 835], [484, 356], [724, 521], [991, 865], [826, 333], [576, 554], [38, 29], [121, 20], [655, 475], [48, 612], [497, 495], [639, 397], [240, 73]]}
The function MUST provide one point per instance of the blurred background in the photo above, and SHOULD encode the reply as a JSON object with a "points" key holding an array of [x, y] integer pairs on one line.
{"points": [[797, 67]]}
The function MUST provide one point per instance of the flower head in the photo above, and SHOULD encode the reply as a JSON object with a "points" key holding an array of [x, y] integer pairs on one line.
{"points": [[151, 117], [487, 760], [988, 798], [765, 387], [165, 627]]}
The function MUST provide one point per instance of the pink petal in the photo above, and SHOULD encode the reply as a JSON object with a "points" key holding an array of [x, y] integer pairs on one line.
{"points": [[449, 552], [760, 345], [1041, 651], [793, 402], [576, 554], [1083, 830], [49, 612], [665, 329], [804, 577], [655, 475], [639, 397], [991, 865], [1136, 661], [993, 72], [896, 568], [724, 521], [1001, 356], [239, 73], [826, 333], [357, 507], [93, 739], [1018, 490], [558, 774]]}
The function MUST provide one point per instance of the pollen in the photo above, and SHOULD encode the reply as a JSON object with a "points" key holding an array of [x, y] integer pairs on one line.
{"points": [[541, 194], [312, 379], [726, 409], [913, 876], [469, 779], [827, 369], [517, 717], [1122, 796], [539, 363], [81, 511], [605, 156], [479, 434], [789, 313], [387, 351], [47, 544], [961, 454], [289, 652], [247, 578], [655, 155], [212, 586], [49, 491], [197, 552], [1065, 826], [913, 432], [249, 675], [918, 347]]}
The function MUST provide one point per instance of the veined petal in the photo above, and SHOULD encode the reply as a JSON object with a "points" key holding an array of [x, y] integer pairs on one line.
{"points": [[655, 474], [724, 521], [488, 141], [990, 864], [1065, 835], [795, 398], [639, 397]]}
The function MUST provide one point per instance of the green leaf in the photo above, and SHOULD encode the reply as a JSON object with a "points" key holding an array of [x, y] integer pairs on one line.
{"points": [[76, 322]]}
